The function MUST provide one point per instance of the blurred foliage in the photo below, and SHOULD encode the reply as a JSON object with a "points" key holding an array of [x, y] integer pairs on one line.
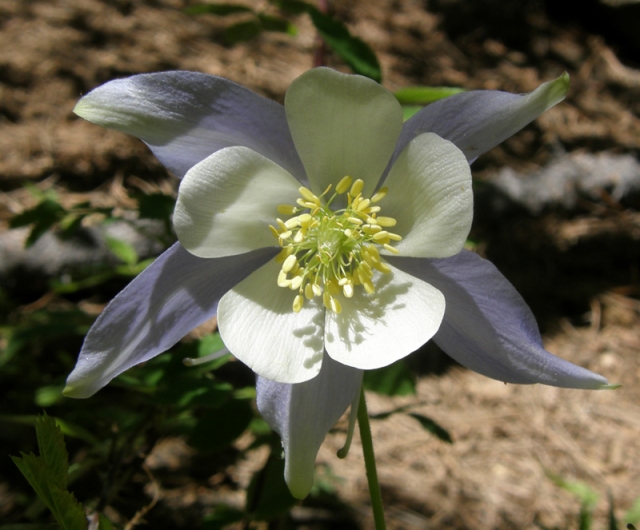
{"points": [[589, 499], [351, 49]]}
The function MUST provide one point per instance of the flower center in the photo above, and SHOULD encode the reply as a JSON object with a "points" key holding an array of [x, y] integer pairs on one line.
{"points": [[326, 252]]}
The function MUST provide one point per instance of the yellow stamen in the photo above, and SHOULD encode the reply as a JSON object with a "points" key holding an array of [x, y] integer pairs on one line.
{"points": [[357, 187], [328, 253], [343, 185], [379, 195]]}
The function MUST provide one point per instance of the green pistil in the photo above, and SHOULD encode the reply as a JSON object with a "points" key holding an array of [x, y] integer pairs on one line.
{"points": [[325, 252]]}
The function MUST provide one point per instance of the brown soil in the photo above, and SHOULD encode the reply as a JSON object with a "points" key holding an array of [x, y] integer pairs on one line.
{"points": [[506, 437]]}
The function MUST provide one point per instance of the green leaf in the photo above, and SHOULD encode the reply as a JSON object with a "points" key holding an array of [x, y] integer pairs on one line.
{"points": [[271, 23], [354, 51], [242, 31], [52, 449], [48, 395], [123, 250], [408, 111], [431, 426], [423, 95], [47, 210], [633, 515], [293, 7], [393, 380], [42, 216], [222, 10], [586, 495], [47, 474], [268, 495]]}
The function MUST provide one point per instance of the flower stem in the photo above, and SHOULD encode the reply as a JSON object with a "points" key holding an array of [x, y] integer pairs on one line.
{"points": [[370, 463]]}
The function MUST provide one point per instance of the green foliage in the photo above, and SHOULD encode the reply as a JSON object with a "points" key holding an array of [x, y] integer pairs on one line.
{"points": [[423, 95], [588, 499], [48, 214], [396, 379], [431, 426], [43, 216], [633, 515], [48, 473], [353, 50]]}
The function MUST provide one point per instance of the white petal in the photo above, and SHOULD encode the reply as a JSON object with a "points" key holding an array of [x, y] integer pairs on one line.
{"points": [[430, 197], [227, 202], [302, 414], [342, 125], [186, 116], [375, 330], [258, 325], [488, 327]]}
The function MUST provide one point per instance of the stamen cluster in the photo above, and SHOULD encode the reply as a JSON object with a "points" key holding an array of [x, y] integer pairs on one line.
{"points": [[325, 252]]}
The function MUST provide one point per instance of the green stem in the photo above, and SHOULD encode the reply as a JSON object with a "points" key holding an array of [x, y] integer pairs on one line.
{"points": [[370, 463]]}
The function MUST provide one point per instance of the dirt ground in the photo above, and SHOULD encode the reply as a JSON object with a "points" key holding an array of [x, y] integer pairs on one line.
{"points": [[578, 268]]}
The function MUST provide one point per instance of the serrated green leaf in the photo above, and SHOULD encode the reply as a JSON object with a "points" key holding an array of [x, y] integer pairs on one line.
{"points": [[354, 51], [431, 426], [423, 95], [123, 250], [242, 31], [393, 380], [221, 10], [52, 450], [69, 513], [33, 469]]}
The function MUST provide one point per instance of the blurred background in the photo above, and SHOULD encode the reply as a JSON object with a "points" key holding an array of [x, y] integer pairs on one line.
{"points": [[84, 209]]}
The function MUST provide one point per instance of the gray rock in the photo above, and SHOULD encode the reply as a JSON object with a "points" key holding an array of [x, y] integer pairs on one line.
{"points": [[568, 177]]}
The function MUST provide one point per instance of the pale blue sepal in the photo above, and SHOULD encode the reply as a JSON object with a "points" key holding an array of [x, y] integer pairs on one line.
{"points": [[489, 328], [303, 413], [186, 116], [479, 120], [160, 306]]}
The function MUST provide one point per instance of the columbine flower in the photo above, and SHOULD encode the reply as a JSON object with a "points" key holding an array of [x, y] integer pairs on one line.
{"points": [[326, 236]]}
